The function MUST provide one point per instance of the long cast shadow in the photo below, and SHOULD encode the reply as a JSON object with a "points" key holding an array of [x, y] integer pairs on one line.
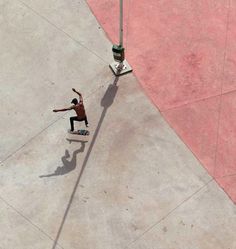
{"points": [[68, 165], [106, 102]]}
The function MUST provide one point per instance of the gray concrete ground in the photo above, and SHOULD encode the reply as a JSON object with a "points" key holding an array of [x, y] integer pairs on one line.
{"points": [[131, 184]]}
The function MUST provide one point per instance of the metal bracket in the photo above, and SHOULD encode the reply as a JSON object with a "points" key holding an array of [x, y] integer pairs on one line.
{"points": [[120, 68]]}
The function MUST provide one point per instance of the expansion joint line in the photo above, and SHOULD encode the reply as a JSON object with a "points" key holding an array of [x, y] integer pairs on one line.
{"points": [[29, 221], [169, 213], [221, 88], [62, 31], [197, 101], [32, 138], [40, 132]]}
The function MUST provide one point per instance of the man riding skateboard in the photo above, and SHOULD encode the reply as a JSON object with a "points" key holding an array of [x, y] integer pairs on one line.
{"points": [[78, 107]]}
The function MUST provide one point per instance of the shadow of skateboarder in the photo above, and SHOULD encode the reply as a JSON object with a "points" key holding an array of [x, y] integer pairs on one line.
{"points": [[68, 165], [105, 102]]}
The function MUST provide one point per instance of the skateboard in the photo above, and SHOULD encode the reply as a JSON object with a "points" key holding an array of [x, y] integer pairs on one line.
{"points": [[80, 132]]}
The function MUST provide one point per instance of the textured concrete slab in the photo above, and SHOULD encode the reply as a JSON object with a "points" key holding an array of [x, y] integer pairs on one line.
{"points": [[128, 167], [183, 54], [188, 229], [39, 58], [106, 190], [225, 169], [176, 48], [229, 68], [124, 189], [74, 20], [18, 232], [198, 123]]}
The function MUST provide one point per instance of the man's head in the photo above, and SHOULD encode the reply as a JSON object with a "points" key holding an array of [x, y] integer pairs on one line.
{"points": [[74, 101]]}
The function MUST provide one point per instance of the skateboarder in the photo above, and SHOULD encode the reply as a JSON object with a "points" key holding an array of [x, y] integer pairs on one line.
{"points": [[78, 107]]}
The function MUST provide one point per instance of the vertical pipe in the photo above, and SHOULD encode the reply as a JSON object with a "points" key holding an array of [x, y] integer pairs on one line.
{"points": [[121, 23]]}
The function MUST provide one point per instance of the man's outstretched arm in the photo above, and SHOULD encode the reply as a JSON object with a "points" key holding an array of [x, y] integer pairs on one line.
{"points": [[62, 110]]}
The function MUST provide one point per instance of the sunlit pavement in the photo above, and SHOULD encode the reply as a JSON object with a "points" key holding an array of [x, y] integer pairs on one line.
{"points": [[133, 182]]}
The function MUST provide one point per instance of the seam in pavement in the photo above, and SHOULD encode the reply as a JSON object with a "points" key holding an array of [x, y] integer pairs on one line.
{"points": [[197, 158], [100, 25], [106, 34], [219, 109], [106, 105], [231, 175], [32, 138], [40, 132], [8, 204], [29, 221], [61, 30], [197, 101], [169, 213], [220, 104]]}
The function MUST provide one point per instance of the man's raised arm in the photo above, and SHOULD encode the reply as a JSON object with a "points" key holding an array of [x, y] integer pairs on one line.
{"points": [[80, 95]]}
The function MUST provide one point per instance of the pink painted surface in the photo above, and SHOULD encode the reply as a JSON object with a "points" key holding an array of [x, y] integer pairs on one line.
{"points": [[184, 55], [197, 124]]}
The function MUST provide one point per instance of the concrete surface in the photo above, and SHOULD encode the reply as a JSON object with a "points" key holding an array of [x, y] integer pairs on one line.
{"points": [[131, 184], [183, 54]]}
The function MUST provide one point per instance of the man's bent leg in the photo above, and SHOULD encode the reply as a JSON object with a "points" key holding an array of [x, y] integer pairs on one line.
{"points": [[86, 121], [72, 119], [83, 119]]}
